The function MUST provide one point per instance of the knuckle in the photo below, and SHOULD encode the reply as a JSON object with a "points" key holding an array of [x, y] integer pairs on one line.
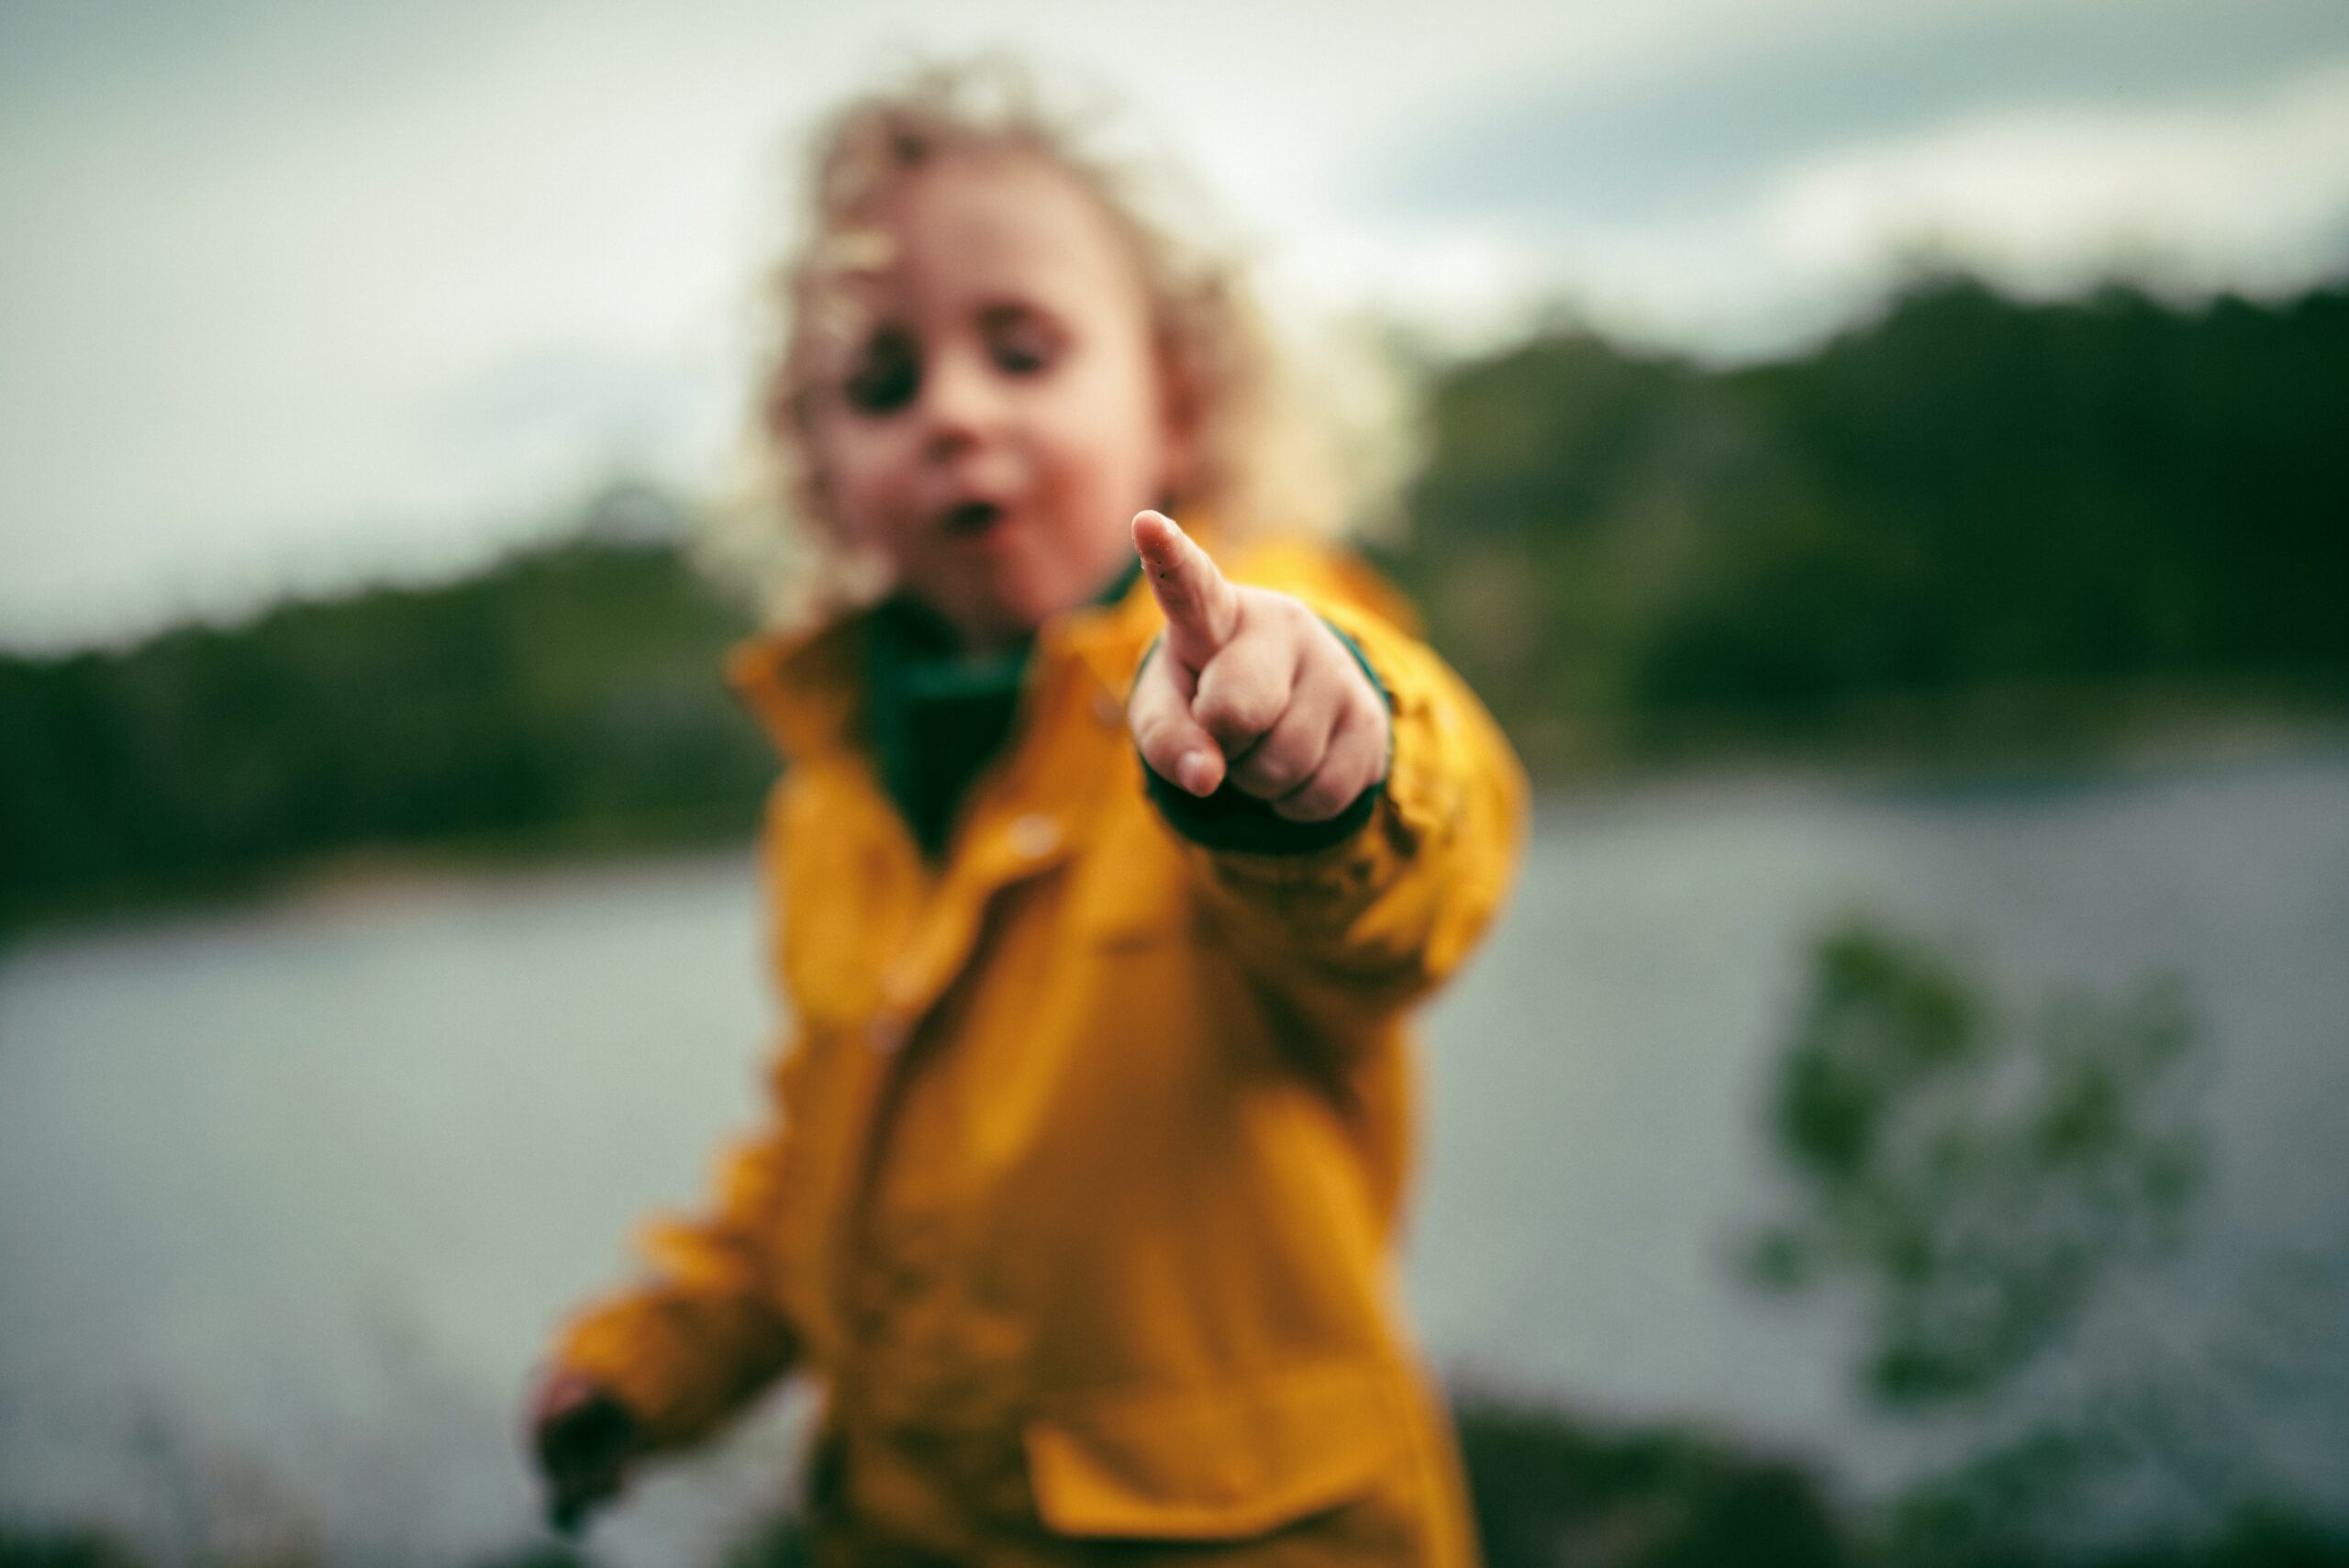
{"points": [[1294, 621], [1287, 771], [1236, 708], [1273, 774], [1317, 802], [1257, 706], [1153, 730], [1161, 745], [1268, 603]]}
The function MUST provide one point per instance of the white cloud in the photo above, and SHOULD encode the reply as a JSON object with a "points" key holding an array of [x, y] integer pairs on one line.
{"points": [[2255, 198], [289, 322], [2250, 195]]}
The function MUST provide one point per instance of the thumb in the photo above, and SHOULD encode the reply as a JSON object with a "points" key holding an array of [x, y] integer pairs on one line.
{"points": [[1201, 607], [1173, 744]]}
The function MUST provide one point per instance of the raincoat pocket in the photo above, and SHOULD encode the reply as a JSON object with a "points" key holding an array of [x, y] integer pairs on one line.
{"points": [[1216, 1461]]}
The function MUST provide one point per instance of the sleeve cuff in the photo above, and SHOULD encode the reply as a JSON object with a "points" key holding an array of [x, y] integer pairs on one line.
{"points": [[1233, 822]]}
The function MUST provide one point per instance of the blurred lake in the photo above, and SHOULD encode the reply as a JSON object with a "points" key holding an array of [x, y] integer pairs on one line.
{"points": [[290, 1194]]}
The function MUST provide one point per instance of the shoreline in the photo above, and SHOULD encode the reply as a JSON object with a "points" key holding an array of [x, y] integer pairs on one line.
{"points": [[368, 874]]}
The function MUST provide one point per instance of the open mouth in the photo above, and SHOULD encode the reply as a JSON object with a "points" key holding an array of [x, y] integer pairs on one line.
{"points": [[973, 519]]}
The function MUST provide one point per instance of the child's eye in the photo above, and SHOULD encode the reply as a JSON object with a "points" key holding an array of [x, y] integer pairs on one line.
{"points": [[884, 376], [1023, 343]]}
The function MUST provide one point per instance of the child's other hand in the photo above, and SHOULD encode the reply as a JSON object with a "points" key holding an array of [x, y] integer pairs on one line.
{"points": [[583, 1439], [1251, 684]]}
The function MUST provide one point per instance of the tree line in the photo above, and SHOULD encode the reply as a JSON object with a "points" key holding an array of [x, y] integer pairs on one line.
{"points": [[1967, 518]]}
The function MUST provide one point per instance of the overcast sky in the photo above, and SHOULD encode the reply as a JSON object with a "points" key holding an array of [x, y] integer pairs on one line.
{"points": [[293, 295]]}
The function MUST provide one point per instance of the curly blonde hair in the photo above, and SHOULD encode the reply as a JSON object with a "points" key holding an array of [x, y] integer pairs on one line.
{"points": [[1267, 457]]}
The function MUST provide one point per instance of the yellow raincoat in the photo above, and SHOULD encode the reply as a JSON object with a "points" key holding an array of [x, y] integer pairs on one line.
{"points": [[1090, 1143]]}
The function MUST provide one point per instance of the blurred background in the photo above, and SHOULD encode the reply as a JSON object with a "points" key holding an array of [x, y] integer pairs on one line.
{"points": [[1883, 465]]}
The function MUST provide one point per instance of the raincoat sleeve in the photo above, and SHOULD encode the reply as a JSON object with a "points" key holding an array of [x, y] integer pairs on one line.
{"points": [[1374, 921], [691, 1345]]}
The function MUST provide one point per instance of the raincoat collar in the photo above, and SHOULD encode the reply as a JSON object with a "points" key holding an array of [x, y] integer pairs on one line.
{"points": [[806, 687]]}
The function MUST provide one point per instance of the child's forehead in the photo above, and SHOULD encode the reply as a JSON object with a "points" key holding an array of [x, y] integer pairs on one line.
{"points": [[971, 226]]}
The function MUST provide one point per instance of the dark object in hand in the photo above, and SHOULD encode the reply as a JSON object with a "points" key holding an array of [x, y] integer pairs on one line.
{"points": [[584, 1439]]}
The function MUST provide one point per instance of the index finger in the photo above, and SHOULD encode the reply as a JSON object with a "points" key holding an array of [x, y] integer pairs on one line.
{"points": [[1201, 607]]}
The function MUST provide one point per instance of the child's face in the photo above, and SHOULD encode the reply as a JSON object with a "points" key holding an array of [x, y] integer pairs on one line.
{"points": [[996, 413]]}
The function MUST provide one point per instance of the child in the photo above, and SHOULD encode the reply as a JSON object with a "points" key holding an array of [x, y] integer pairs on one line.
{"points": [[1104, 879]]}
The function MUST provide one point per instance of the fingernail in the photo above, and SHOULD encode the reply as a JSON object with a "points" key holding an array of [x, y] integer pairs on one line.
{"points": [[1196, 772]]}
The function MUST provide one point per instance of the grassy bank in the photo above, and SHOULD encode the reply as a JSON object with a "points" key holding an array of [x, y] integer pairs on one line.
{"points": [[1551, 1492]]}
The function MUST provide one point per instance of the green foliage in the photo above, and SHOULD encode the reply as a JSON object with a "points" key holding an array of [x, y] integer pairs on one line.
{"points": [[1550, 1493], [2255, 1539], [540, 1556], [1971, 510], [1998, 1187], [85, 1549], [573, 693], [1978, 1179], [1969, 1528], [78, 1549], [780, 1543]]}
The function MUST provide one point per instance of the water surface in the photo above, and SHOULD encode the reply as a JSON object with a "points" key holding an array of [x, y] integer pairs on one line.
{"points": [[290, 1194]]}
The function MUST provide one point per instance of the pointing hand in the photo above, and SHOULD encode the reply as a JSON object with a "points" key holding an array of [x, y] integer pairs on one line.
{"points": [[1251, 685]]}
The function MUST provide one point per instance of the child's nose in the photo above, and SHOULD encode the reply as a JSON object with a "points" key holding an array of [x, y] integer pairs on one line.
{"points": [[962, 400]]}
